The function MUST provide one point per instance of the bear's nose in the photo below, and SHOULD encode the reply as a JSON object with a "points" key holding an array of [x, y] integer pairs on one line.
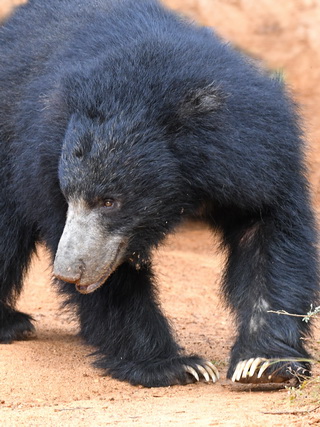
{"points": [[67, 273]]}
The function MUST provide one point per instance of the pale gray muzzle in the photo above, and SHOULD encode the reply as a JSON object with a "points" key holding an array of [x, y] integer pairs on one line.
{"points": [[85, 255]]}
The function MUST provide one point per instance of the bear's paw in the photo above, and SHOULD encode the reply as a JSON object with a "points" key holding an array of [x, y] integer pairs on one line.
{"points": [[261, 370]]}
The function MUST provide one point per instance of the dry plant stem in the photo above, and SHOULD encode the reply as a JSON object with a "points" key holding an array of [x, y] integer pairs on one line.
{"points": [[285, 313], [291, 412], [306, 317]]}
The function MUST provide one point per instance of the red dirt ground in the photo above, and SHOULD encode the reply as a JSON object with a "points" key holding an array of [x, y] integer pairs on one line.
{"points": [[48, 381]]}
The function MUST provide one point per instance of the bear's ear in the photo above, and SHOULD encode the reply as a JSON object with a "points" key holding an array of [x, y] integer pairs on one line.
{"points": [[201, 101], [201, 107]]}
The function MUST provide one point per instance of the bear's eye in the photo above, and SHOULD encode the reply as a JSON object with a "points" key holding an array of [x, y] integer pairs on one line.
{"points": [[109, 203]]}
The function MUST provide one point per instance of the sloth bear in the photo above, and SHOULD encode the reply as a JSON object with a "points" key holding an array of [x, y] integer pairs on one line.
{"points": [[118, 120]]}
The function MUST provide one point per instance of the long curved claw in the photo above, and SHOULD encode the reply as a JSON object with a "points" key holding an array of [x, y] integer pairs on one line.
{"points": [[247, 367], [254, 365], [238, 371], [213, 371], [191, 371], [203, 372], [263, 368], [206, 369]]}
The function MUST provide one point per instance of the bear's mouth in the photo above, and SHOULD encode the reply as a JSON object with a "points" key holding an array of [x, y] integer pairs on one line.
{"points": [[88, 289], [91, 287]]}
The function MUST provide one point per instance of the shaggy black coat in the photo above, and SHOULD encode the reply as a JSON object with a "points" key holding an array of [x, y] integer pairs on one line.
{"points": [[105, 99]]}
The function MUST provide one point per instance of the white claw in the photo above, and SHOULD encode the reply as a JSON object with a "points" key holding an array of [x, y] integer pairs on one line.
{"points": [[238, 371], [247, 367], [203, 372], [263, 368], [213, 371], [192, 371], [255, 364], [234, 376], [241, 367]]}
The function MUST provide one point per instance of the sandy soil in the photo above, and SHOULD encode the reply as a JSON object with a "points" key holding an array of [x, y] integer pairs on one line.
{"points": [[49, 380]]}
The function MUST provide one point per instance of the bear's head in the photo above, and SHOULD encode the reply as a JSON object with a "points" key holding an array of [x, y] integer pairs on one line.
{"points": [[124, 192]]}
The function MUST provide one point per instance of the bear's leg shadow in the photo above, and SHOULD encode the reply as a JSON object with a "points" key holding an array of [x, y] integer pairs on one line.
{"points": [[16, 248], [134, 342], [271, 267]]}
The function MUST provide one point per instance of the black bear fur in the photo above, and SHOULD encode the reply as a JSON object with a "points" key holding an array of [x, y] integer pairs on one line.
{"points": [[124, 101]]}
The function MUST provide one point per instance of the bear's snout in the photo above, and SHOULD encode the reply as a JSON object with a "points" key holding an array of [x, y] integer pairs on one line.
{"points": [[68, 273], [87, 256]]}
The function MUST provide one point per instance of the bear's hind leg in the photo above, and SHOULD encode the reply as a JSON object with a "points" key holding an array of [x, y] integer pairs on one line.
{"points": [[16, 247], [133, 339], [272, 267]]}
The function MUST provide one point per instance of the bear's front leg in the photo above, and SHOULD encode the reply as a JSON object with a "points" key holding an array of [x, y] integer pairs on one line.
{"points": [[272, 268], [134, 342]]}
